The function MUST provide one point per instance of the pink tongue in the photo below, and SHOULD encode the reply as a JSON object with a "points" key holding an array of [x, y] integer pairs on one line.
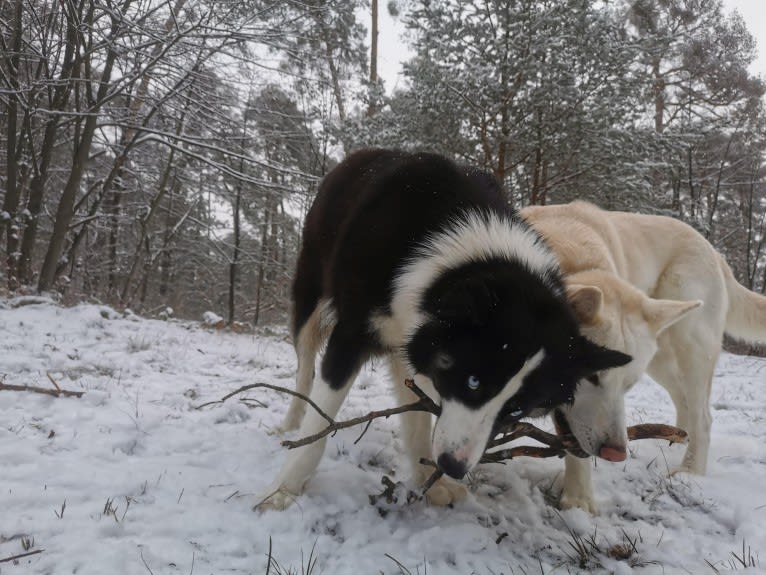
{"points": [[613, 454]]}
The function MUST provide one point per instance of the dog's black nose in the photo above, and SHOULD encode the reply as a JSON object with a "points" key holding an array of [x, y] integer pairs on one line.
{"points": [[451, 466]]}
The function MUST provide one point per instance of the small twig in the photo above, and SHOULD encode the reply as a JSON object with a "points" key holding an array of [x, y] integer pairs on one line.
{"points": [[428, 403], [43, 390], [389, 492], [275, 388], [419, 405], [21, 556], [366, 427], [53, 381]]}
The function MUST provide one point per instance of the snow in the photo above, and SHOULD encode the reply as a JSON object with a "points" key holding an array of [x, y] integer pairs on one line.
{"points": [[152, 484]]}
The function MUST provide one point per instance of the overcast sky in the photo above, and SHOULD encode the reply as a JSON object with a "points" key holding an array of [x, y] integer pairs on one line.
{"points": [[754, 13], [393, 49]]}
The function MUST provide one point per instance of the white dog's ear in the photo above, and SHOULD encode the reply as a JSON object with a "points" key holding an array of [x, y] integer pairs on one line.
{"points": [[586, 302], [662, 313]]}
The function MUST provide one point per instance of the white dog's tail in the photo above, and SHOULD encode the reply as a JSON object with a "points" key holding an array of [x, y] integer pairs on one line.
{"points": [[746, 318]]}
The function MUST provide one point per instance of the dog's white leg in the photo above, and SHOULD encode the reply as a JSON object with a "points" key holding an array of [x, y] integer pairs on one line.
{"points": [[681, 405], [577, 490], [307, 345], [302, 461], [685, 368], [416, 436], [416, 425], [699, 422], [346, 352]]}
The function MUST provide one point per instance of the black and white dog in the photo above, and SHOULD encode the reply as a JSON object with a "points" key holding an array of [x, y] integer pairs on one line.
{"points": [[412, 257]]}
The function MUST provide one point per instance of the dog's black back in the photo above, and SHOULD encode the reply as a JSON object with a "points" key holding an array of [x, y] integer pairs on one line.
{"points": [[371, 212]]}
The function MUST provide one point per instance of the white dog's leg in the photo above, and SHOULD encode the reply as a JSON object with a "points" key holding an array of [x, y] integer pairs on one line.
{"points": [[699, 421], [577, 490], [416, 436], [685, 369]]}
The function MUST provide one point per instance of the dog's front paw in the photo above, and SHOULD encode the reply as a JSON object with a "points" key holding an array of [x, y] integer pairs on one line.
{"points": [[277, 499], [582, 501], [445, 492]]}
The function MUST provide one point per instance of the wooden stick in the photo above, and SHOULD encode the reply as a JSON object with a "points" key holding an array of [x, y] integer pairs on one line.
{"points": [[428, 403], [21, 556], [657, 431], [43, 390], [553, 445], [522, 451], [334, 426], [524, 429], [275, 388]]}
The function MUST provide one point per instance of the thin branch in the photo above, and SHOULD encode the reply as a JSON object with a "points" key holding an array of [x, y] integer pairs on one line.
{"points": [[275, 388], [419, 405], [20, 556], [53, 381], [43, 390]]}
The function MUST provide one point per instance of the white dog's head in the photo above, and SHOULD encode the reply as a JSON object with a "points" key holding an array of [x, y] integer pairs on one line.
{"points": [[614, 314]]}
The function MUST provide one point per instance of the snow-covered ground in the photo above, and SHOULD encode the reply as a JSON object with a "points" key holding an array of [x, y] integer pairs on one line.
{"points": [[132, 479]]}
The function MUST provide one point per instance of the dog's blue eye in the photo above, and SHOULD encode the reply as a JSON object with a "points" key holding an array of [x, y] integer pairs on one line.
{"points": [[516, 413], [473, 382]]}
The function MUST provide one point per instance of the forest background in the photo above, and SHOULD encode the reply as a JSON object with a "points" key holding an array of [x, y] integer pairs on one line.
{"points": [[161, 154]]}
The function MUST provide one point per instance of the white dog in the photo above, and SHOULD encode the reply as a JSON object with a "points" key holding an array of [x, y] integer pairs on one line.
{"points": [[634, 281]]}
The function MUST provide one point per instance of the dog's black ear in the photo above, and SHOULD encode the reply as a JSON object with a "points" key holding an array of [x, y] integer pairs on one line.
{"points": [[487, 185], [469, 300], [591, 358]]}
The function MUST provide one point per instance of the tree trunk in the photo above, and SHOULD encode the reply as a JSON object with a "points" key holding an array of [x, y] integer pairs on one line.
{"points": [[166, 259], [373, 106], [234, 266], [658, 89], [126, 141], [65, 211], [58, 103], [693, 199], [262, 263], [145, 221], [12, 188]]}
